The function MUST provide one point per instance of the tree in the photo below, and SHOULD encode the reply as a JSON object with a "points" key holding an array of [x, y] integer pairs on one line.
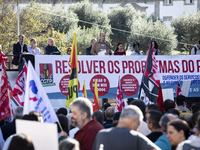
{"points": [[123, 18], [86, 12], [84, 37], [187, 29]]}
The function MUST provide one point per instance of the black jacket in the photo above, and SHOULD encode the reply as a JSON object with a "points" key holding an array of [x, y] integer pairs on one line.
{"points": [[88, 49], [51, 49], [8, 129], [17, 52]]}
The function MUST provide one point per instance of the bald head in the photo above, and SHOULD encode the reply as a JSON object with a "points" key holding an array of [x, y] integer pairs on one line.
{"points": [[110, 113]]}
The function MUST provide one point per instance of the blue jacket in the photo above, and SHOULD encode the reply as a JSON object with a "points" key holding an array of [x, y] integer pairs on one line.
{"points": [[163, 142]]}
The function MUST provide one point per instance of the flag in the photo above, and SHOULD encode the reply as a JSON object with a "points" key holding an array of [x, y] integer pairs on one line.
{"points": [[6, 93], [150, 81], [36, 98], [120, 102], [160, 99], [73, 79], [19, 89], [96, 98], [84, 92], [178, 90]]}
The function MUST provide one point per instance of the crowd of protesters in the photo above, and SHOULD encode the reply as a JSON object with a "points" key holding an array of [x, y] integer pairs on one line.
{"points": [[138, 127]]}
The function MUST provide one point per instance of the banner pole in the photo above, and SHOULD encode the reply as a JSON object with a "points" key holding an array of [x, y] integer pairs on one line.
{"points": [[60, 126], [10, 104]]}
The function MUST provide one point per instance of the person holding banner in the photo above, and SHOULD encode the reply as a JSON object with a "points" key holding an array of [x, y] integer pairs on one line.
{"points": [[119, 50], [155, 46], [101, 47]]}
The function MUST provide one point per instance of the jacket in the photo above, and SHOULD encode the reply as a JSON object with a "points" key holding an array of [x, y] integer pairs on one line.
{"points": [[17, 52]]}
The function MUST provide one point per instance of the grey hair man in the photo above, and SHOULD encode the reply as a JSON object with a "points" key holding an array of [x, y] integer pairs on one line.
{"points": [[109, 115], [125, 134], [81, 116], [51, 49], [163, 141]]}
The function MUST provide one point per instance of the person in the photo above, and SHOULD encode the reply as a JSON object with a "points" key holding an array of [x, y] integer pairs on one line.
{"points": [[163, 141], [196, 49], [194, 124], [125, 136], [152, 107], [65, 126], [81, 116], [143, 126], [119, 50], [177, 132], [101, 47], [10, 128], [180, 101], [153, 118], [109, 115], [98, 115], [19, 142], [195, 107], [88, 49], [33, 49], [168, 104], [19, 48], [51, 49], [191, 144], [136, 49], [2, 53], [116, 118], [173, 111], [62, 110], [155, 46], [69, 49], [69, 144]]}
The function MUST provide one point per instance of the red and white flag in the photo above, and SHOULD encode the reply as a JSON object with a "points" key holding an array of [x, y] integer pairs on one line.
{"points": [[20, 86], [178, 90], [5, 94], [120, 102]]}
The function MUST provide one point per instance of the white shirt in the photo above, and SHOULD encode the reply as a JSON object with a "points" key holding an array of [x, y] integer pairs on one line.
{"points": [[144, 129], [194, 142], [35, 51], [135, 53]]}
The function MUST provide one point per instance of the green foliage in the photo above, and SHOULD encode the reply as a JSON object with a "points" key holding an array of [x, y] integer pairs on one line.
{"points": [[187, 29], [157, 30], [84, 37], [86, 12], [123, 18]]}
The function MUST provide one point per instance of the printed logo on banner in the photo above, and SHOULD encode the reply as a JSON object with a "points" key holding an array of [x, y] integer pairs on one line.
{"points": [[46, 74]]}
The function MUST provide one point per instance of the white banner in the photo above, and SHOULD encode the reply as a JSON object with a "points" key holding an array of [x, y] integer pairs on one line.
{"points": [[53, 71]]}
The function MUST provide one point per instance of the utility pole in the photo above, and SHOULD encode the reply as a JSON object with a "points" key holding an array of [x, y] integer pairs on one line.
{"points": [[17, 18]]}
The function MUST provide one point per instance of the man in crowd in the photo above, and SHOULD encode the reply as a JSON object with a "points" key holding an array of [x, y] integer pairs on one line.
{"points": [[196, 49], [81, 116], [153, 118], [180, 101], [98, 116], [33, 49], [101, 47], [163, 141], [19, 48], [51, 49], [152, 107], [124, 136], [109, 115], [168, 104], [88, 49]]}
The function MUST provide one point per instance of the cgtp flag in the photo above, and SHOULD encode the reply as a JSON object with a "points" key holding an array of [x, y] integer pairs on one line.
{"points": [[96, 98], [6, 94], [150, 81], [120, 102], [20, 85], [84, 92], [178, 90], [73, 79], [36, 98]]}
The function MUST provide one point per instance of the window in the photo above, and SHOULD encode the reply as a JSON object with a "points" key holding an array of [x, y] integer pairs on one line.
{"points": [[189, 2], [168, 2], [167, 18]]}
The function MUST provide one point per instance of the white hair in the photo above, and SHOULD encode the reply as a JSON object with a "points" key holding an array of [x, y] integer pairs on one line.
{"points": [[51, 39]]}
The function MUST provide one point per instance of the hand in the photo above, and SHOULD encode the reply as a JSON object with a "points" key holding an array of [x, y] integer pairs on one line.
{"points": [[63, 133]]}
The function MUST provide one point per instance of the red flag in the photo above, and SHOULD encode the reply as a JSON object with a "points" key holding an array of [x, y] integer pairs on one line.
{"points": [[5, 109], [119, 99], [178, 90], [160, 99], [95, 102], [19, 89]]}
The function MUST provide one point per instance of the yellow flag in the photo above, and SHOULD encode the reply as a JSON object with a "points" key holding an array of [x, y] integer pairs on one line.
{"points": [[73, 80]]}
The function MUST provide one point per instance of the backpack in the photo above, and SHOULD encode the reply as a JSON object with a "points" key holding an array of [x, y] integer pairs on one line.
{"points": [[183, 113], [187, 146]]}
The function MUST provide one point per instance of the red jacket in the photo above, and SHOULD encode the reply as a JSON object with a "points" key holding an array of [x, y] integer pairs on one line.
{"points": [[87, 134]]}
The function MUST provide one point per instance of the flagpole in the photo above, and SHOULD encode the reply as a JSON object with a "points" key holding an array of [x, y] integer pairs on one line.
{"points": [[10, 104], [60, 126]]}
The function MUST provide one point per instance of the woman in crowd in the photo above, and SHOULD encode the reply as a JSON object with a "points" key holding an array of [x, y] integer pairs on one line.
{"points": [[119, 50], [69, 49], [69, 144], [177, 132], [155, 46]]}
